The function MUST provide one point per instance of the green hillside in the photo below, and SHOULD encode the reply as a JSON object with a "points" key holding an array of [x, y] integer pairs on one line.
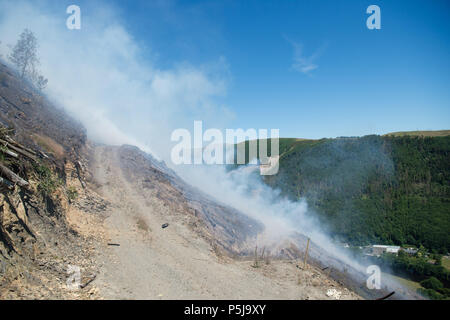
{"points": [[392, 189], [436, 133]]}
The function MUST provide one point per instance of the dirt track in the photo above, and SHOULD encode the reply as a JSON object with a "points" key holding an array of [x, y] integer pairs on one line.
{"points": [[175, 262]]}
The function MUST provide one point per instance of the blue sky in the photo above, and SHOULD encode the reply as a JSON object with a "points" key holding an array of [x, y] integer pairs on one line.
{"points": [[366, 81], [360, 81]]}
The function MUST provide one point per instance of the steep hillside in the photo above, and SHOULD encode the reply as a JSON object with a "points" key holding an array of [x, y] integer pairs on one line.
{"points": [[223, 226], [206, 249], [43, 165], [69, 205], [389, 189]]}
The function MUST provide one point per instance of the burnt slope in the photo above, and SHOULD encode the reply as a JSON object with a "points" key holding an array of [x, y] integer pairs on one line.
{"points": [[223, 225], [45, 148]]}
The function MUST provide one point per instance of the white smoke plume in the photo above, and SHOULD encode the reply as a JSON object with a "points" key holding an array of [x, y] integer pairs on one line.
{"points": [[282, 218], [100, 76], [103, 77]]}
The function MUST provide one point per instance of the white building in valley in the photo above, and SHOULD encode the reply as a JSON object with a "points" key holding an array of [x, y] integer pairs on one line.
{"points": [[379, 249]]}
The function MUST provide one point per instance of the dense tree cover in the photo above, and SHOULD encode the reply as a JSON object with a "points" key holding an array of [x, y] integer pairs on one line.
{"points": [[433, 277], [373, 189], [432, 283], [418, 268]]}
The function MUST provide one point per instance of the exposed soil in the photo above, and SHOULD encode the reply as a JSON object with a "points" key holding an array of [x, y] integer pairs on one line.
{"points": [[176, 262]]}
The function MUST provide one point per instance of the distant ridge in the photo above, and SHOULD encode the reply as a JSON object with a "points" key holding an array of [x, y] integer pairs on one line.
{"points": [[437, 133]]}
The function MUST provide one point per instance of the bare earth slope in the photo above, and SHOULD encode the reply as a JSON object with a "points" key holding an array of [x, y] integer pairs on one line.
{"points": [[81, 197], [179, 262], [37, 244]]}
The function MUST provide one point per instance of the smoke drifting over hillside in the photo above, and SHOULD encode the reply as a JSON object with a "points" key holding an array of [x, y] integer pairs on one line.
{"points": [[282, 218], [100, 76], [106, 79]]}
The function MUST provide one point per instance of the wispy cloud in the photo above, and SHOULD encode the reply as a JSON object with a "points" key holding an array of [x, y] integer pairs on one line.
{"points": [[302, 62]]}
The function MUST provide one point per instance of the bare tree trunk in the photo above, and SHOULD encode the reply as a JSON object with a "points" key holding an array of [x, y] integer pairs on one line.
{"points": [[12, 176], [7, 138], [19, 150], [306, 253]]}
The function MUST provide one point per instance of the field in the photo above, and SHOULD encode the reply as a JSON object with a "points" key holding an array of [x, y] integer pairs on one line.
{"points": [[412, 285], [446, 262]]}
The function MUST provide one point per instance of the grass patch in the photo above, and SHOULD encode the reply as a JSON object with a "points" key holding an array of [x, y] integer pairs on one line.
{"points": [[446, 262], [49, 145], [410, 284]]}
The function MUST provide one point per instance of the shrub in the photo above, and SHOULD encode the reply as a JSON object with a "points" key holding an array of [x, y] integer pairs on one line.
{"points": [[72, 194], [430, 293], [47, 182], [432, 283]]}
